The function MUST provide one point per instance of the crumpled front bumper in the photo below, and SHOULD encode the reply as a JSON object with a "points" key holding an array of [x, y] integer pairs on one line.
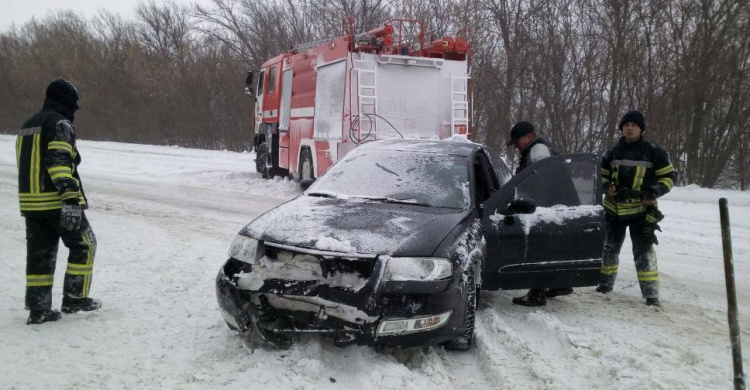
{"points": [[232, 307], [286, 307]]}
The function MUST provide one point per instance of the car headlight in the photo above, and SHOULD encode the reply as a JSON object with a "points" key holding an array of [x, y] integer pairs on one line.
{"points": [[244, 248], [417, 268]]}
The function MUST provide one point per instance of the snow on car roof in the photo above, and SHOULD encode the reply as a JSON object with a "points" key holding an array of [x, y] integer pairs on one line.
{"points": [[457, 148]]}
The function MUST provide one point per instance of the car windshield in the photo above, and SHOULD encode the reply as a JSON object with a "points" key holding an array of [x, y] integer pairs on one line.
{"points": [[425, 179]]}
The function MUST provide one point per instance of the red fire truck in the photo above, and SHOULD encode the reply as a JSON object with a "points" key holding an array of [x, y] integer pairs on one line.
{"points": [[320, 100]]}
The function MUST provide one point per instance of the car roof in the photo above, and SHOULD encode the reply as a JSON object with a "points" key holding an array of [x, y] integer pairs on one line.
{"points": [[456, 148]]}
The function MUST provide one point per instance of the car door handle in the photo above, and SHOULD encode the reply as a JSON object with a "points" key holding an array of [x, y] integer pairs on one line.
{"points": [[591, 227]]}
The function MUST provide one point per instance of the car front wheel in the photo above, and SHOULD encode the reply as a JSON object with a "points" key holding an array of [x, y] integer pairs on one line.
{"points": [[470, 290]]}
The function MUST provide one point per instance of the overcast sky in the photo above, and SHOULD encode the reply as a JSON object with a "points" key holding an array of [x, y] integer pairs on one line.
{"points": [[21, 11]]}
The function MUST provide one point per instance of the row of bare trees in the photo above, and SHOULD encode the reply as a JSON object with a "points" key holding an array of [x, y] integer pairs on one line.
{"points": [[573, 67], [153, 80]]}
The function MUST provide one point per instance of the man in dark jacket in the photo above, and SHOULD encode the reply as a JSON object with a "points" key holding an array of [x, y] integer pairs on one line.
{"points": [[533, 148], [635, 173], [52, 202]]}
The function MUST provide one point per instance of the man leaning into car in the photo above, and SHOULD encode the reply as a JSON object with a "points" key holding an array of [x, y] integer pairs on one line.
{"points": [[532, 149]]}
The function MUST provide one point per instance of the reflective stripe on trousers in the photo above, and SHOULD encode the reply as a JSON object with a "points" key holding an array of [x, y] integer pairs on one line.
{"points": [[643, 255], [42, 239]]}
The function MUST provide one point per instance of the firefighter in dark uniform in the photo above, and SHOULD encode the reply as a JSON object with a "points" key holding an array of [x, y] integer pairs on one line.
{"points": [[533, 148], [52, 202], [635, 173]]}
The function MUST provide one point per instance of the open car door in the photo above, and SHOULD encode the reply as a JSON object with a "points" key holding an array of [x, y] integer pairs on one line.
{"points": [[545, 227]]}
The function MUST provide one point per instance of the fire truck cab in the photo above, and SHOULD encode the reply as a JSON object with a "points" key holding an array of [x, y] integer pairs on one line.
{"points": [[320, 100]]}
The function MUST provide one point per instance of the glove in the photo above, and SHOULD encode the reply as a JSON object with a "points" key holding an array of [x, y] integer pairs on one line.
{"points": [[648, 197], [610, 190], [649, 234], [70, 217]]}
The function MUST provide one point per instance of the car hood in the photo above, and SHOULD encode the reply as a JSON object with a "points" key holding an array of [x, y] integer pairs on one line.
{"points": [[356, 226]]}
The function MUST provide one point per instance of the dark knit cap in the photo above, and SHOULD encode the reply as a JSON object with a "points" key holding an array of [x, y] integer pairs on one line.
{"points": [[63, 91], [519, 130], [635, 117]]}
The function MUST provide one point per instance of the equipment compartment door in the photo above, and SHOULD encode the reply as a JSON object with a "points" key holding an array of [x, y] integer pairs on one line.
{"points": [[286, 99]]}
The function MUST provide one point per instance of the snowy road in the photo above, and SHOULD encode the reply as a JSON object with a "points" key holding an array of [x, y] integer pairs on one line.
{"points": [[164, 218]]}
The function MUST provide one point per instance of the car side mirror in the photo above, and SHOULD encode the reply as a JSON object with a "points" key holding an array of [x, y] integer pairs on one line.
{"points": [[519, 206], [306, 183]]}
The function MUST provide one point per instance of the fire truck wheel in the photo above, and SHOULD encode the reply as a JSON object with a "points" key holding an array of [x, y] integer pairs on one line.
{"points": [[306, 168], [261, 159]]}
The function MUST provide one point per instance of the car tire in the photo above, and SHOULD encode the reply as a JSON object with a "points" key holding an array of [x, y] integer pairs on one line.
{"points": [[306, 167], [232, 328], [470, 289]]}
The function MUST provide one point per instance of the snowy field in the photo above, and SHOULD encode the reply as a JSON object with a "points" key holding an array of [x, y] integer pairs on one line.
{"points": [[164, 218]]}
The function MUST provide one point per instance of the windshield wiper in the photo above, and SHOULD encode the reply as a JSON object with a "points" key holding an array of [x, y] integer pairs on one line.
{"points": [[397, 201]]}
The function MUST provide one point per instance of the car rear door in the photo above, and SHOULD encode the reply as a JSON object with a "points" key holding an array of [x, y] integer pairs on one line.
{"points": [[560, 243]]}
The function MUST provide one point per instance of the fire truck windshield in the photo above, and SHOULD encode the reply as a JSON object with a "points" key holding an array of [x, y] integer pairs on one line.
{"points": [[408, 177]]}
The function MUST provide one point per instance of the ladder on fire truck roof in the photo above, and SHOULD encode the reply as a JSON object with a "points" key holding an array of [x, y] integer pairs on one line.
{"points": [[459, 104], [367, 98]]}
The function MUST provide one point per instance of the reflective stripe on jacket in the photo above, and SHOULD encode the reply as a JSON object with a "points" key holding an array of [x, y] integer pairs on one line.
{"points": [[634, 169]]}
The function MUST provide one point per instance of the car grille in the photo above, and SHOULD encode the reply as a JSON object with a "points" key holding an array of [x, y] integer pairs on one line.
{"points": [[332, 264]]}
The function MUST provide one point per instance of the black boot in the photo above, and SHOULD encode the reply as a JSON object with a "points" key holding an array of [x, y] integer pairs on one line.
{"points": [[535, 297], [42, 316], [653, 302], [603, 289], [73, 305], [559, 291]]}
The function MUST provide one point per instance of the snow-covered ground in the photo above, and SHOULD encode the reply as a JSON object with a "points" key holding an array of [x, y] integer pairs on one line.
{"points": [[164, 218]]}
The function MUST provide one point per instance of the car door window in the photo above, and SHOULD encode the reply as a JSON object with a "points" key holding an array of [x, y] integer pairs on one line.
{"points": [[568, 184], [499, 167], [487, 167], [585, 182], [485, 183]]}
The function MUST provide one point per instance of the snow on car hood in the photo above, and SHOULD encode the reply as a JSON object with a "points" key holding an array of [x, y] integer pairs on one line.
{"points": [[356, 226]]}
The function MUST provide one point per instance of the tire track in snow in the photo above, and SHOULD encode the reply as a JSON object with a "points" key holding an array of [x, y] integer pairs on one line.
{"points": [[554, 347], [466, 369], [535, 345], [508, 354]]}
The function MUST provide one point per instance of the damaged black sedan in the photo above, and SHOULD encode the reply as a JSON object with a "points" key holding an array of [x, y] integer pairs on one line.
{"points": [[393, 244]]}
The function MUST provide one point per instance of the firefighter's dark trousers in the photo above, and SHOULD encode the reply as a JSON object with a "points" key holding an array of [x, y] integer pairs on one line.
{"points": [[42, 237], [641, 235]]}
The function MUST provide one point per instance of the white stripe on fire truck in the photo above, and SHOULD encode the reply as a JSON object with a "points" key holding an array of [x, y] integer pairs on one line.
{"points": [[304, 111]]}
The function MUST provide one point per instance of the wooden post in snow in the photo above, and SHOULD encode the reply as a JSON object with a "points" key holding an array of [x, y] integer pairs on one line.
{"points": [[734, 324]]}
